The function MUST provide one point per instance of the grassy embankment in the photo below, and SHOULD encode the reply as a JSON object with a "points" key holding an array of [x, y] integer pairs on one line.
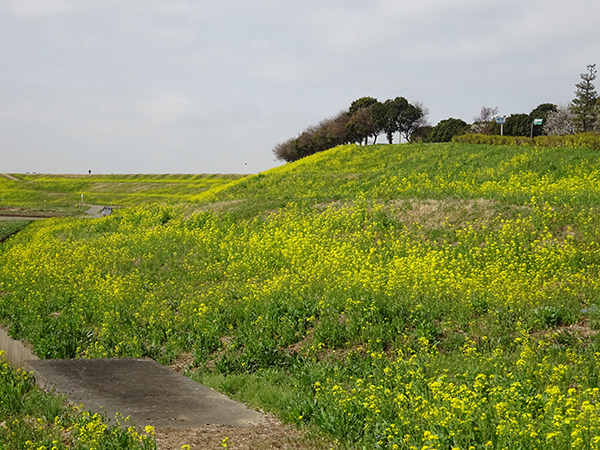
{"points": [[414, 296], [62, 193]]}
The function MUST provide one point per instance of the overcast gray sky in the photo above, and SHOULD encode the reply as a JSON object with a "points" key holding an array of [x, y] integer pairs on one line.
{"points": [[195, 86]]}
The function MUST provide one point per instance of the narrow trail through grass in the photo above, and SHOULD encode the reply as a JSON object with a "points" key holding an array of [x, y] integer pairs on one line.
{"points": [[9, 176]]}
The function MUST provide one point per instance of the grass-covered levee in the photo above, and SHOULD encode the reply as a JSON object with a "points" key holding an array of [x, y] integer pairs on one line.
{"points": [[393, 296]]}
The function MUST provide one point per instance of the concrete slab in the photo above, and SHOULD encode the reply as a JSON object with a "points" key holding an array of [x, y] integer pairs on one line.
{"points": [[94, 212], [148, 392], [15, 352]]}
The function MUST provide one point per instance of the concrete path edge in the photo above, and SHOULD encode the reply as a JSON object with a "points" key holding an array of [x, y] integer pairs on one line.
{"points": [[148, 392]]}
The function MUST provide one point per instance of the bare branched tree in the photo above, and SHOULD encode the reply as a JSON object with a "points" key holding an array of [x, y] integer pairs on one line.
{"points": [[326, 134], [337, 128], [285, 151], [484, 122], [422, 122], [361, 126]]}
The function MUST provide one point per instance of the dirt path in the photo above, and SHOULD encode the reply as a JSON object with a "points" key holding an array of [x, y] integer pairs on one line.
{"points": [[17, 212], [95, 211], [21, 218], [270, 435], [9, 176]]}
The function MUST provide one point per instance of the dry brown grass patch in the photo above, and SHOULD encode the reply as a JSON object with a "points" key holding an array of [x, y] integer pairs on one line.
{"points": [[222, 206], [580, 330], [271, 434], [432, 213], [129, 188], [183, 362]]}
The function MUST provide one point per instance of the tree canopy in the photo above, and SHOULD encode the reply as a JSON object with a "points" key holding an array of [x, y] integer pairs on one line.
{"points": [[365, 119], [446, 129]]}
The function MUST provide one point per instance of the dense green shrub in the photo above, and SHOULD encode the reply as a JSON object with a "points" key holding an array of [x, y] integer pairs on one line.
{"points": [[587, 140], [580, 140], [491, 139], [446, 129]]}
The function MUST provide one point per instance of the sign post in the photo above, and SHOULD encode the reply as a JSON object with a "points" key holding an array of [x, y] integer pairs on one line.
{"points": [[535, 122], [501, 121]]}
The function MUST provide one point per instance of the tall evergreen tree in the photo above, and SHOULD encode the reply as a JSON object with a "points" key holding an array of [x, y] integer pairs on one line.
{"points": [[541, 112], [517, 125], [583, 106]]}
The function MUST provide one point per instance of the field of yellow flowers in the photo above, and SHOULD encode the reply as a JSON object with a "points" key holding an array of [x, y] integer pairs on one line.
{"points": [[414, 297], [506, 173]]}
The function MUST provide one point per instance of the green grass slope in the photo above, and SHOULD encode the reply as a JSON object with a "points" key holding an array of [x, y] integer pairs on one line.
{"points": [[385, 172], [119, 190], [443, 296]]}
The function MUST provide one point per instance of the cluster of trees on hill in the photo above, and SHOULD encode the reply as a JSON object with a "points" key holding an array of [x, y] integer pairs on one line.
{"points": [[582, 115], [368, 118], [485, 123], [365, 118]]}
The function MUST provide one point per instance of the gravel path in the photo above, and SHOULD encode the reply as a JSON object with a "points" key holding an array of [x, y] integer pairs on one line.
{"points": [[9, 176], [20, 218], [95, 211], [270, 435]]}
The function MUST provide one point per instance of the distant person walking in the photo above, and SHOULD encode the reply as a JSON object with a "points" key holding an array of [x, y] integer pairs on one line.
{"points": [[90, 171]]}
